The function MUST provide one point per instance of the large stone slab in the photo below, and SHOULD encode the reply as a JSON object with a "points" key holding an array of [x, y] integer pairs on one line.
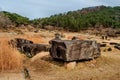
{"points": [[72, 50], [28, 47]]}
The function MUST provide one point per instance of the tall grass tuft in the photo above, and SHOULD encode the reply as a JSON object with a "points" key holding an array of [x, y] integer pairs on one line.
{"points": [[10, 58]]}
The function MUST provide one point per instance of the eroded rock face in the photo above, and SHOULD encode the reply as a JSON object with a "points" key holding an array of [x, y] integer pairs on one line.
{"points": [[71, 50]]}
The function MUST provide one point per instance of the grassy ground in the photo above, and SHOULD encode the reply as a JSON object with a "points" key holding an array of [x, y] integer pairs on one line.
{"points": [[10, 58], [104, 68], [43, 67]]}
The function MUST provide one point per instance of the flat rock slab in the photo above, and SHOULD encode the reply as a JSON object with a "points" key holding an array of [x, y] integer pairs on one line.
{"points": [[72, 50]]}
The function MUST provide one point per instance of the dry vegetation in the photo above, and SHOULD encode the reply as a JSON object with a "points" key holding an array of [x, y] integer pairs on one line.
{"points": [[10, 58], [43, 67], [104, 68]]}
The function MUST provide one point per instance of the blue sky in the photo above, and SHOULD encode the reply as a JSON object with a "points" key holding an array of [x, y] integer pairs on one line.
{"points": [[44, 8]]}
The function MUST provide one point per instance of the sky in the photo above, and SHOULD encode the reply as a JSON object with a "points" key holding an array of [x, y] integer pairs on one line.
{"points": [[45, 8]]}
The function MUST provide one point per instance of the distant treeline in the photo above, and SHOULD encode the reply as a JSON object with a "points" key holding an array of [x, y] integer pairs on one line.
{"points": [[73, 20], [83, 19]]}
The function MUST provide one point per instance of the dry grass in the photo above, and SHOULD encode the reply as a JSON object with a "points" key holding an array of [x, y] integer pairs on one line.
{"points": [[43, 67], [106, 67], [10, 58], [35, 39]]}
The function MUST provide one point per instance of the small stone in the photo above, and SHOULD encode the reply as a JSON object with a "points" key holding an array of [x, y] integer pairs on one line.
{"points": [[109, 49], [70, 65], [101, 69]]}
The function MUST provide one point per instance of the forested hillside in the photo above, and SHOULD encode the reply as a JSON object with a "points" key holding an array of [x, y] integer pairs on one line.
{"points": [[73, 20], [7, 18], [83, 19]]}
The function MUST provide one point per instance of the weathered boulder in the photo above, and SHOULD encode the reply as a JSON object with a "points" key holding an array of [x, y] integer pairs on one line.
{"points": [[103, 45], [70, 65], [72, 50], [28, 47], [113, 43], [75, 38], [57, 37], [32, 49], [117, 32], [18, 42], [109, 49], [117, 47]]}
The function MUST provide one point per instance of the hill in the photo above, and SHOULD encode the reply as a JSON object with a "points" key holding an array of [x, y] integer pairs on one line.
{"points": [[83, 19], [12, 22], [90, 17], [8, 19]]}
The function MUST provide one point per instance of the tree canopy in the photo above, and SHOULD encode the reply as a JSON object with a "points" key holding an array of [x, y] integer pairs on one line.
{"points": [[83, 19], [72, 20], [16, 18]]}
